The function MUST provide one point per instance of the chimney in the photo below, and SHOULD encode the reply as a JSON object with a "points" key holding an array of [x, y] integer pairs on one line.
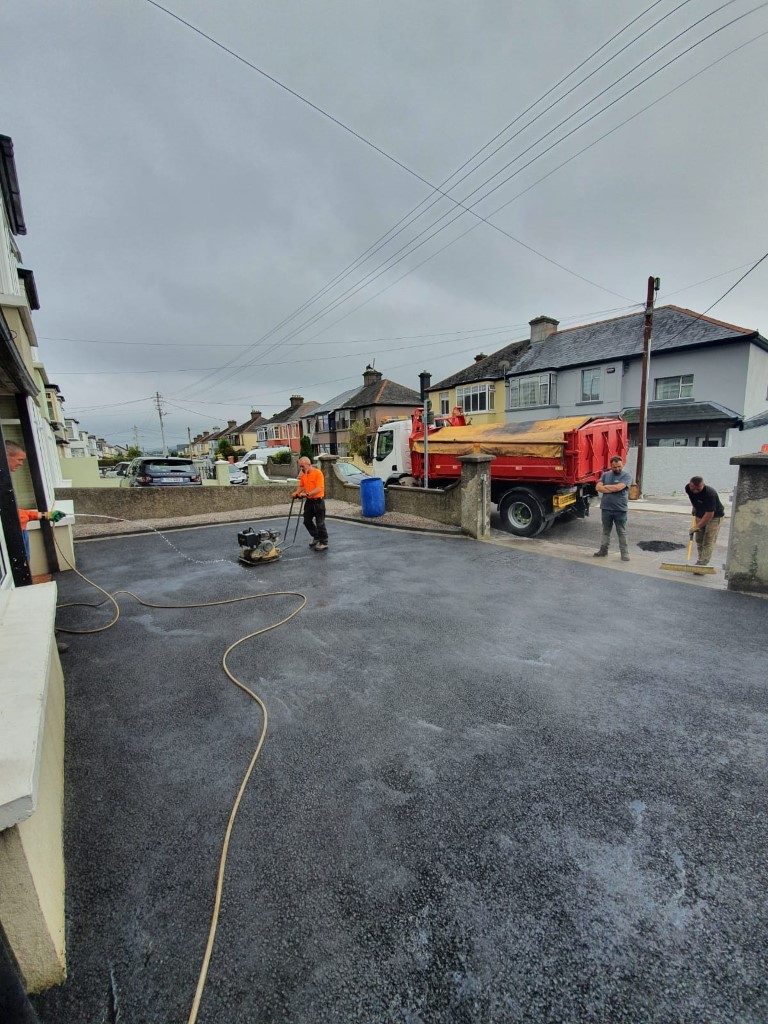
{"points": [[231, 423], [255, 414], [296, 401], [542, 327], [480, 357], [371, 376]]}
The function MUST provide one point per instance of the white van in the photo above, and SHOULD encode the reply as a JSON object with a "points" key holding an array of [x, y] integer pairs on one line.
{"points": [[260, 455]]}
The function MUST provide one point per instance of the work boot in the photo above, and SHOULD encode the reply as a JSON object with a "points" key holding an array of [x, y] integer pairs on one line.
{"points": [[313, 543], [601, 553], [321, 547], [624, 557]]}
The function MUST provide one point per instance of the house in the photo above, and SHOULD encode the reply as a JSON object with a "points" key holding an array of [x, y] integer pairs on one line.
{"points": [[706, 376], [32, 920], [478, 389], [322, 426], [285, 427], [246, 432], [379, 399]]}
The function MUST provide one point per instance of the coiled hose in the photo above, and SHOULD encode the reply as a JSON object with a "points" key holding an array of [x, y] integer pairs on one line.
{"points": [[110, 597]]}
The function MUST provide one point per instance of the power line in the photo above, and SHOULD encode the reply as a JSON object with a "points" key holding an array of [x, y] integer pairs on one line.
{"points": [[151, 344], [410, 247], [388, 235]]}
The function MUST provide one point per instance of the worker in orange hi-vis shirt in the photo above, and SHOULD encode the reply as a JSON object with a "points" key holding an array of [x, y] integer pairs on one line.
{"points": [[16, 458], [311, 487]]}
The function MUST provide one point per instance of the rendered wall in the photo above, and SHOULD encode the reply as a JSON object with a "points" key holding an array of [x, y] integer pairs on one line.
{"points": [[171, 502]]}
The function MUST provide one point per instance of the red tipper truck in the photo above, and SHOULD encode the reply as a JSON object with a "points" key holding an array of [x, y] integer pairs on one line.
{"points": [[541, 468]]}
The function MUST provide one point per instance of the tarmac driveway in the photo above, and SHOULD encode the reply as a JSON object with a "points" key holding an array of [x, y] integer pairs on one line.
{"points": [[497, 787]]}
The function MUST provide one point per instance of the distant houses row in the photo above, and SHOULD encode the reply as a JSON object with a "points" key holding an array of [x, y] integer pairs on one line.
{"points": [[708, 378], [327, 426]]}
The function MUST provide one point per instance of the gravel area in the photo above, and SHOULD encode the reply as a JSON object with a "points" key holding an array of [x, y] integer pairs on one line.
{"points": [[335, 509]]}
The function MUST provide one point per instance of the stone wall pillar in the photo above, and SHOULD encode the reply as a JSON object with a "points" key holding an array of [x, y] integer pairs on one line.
{"points": [[222, 473], [747, 563], [256, 475], [476, 495], [333, 485]]}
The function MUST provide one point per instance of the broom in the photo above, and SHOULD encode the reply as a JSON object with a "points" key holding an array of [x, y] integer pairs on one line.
{"points": [[699, 570]]}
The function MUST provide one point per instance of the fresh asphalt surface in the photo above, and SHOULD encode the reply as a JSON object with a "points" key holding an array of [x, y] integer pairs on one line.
{"points": [[497, 787]]}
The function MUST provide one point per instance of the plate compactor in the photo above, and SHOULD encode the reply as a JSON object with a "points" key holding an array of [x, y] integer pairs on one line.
{"points": [[260, 547]]}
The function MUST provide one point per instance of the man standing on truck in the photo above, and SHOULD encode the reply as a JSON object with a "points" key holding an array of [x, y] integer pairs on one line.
{"points": [[708, 511], [613, 485], [311, 487]]}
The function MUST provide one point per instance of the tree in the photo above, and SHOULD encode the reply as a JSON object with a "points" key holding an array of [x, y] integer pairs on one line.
{"points": [[358, 438], [306, 447], [224, 449], [133, 452]]}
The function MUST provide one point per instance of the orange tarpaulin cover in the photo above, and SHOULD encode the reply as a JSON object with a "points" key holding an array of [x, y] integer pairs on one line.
{"points": [[543, 439]]}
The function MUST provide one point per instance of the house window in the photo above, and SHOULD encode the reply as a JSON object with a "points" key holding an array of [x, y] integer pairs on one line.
{"points": [[669, 442], [528, 392], [445, 403], [475, 397], [591, 383], [666, 389]]}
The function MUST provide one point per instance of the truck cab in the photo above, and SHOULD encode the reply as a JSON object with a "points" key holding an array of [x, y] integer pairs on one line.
{"points": [[392, 447]]}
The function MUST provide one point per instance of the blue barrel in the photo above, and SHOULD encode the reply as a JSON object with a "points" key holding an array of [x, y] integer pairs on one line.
{"points": [[372, 496]]}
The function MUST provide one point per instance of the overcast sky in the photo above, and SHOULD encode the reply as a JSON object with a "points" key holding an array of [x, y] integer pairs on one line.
{"points": [[174, 196]]}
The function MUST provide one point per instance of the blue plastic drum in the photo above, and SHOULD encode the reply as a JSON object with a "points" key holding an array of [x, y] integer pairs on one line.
{"points": [[372, 497]]}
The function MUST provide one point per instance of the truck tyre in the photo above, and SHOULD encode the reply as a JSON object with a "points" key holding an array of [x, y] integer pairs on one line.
{"points": [[521, 514]]}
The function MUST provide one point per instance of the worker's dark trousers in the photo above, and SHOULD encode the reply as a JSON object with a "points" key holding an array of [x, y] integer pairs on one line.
{"points": [[314, 519], [619, 520]]}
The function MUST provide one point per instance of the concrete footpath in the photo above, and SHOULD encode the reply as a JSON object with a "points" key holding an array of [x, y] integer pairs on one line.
{"points": [[497, 787]]}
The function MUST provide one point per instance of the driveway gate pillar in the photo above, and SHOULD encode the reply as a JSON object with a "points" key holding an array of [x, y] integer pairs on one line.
{"points": [[476, 495], [747, 564]]}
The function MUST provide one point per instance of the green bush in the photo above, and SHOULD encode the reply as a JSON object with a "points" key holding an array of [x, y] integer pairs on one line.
{"points": [[306, 447], [281, 458]]}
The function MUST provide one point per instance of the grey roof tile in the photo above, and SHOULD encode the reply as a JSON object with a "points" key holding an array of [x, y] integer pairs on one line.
{"points": [[622, 338], [682, 411], [486, 369]]}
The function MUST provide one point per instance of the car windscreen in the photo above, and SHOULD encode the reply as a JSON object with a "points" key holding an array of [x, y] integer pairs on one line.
{"points": [[348, 469], [161, 468]]}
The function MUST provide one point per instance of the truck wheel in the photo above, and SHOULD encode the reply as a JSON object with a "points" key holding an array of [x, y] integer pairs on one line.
{"points": [[521, 514]]}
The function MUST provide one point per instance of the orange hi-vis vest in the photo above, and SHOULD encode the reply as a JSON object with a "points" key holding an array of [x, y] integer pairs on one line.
{"points": [[28, 514], [311, 480]]}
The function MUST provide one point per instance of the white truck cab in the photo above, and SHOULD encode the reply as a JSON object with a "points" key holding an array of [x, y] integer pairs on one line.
{"points": [[392, 452]]}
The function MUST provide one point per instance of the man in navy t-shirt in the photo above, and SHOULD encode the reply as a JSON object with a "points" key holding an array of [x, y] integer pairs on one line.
{"points": [[614, 488], [708, 512]]}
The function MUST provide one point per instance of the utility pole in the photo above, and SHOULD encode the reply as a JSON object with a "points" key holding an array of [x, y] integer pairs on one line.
{"points": [[425, 380], [160, 413], [653, 286]]}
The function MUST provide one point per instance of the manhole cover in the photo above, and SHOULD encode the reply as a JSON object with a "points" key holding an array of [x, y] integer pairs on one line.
{"points": [[659, 545]]}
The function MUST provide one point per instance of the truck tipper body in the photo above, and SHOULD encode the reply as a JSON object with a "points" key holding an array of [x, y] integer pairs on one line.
{"points": [[541, 469]]}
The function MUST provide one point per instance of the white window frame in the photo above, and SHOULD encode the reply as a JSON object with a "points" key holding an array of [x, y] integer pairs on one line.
{"points": [[592, 377], [445, 403], [476, 398], [536, 391], [684, 387]]}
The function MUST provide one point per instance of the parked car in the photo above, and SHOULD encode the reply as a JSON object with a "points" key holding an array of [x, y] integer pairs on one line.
{"points": [[237, 475], [351, 474], [157, 471], [120, 469]]}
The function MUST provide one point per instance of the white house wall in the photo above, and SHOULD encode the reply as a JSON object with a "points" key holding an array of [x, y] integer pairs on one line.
{"points": [[719, 374], [757, 383]]}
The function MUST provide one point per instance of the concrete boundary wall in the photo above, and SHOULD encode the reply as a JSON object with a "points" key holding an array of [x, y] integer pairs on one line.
{"points": [[668, 470], [170, 502], [441, 506]]}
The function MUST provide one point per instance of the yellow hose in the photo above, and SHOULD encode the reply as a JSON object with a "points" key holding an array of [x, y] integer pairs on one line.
{"points": [[203, 975]]}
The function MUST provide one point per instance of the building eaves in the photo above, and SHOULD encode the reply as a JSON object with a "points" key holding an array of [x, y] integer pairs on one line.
{"points": [[761, 420], [303, 410], [683, 411], [383, 392], [27, 278], [489, 368], [674, 329], [9, 186]]}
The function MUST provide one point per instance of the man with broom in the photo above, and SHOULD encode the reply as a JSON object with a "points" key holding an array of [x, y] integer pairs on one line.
{"points": [[708, 512]]}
